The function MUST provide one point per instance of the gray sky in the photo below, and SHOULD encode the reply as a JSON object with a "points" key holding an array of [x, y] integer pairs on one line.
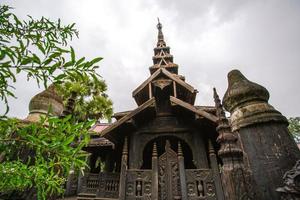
{"points": [[208, 38]]}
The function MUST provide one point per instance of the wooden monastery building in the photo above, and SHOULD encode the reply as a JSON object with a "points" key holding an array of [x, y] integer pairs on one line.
{"points": [[168, 148]]}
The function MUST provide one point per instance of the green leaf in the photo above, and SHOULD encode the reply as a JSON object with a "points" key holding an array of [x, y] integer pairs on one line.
{"points": [[36, 59], [2, 54], [41, 48], [18, 22], [95, 60], [26, 60], [80, 61], [47, 61], [68, 64], [72, 55], [55, 55]]}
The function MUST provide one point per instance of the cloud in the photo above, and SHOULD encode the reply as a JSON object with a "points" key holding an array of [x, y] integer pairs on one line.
{"points": [[207, 39]]}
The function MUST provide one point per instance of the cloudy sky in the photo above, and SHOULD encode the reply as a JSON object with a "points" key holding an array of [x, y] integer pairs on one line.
{"points": [[208, 38]]}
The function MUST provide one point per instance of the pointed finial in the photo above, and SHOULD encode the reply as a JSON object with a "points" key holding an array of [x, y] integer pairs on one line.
{"points": [[160, 34], [159, 26], [219, 107], [216, 97]]}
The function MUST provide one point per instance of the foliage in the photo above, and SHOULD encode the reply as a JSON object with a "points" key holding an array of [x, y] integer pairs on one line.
{"points": [[91, 100], [38, 48], [39, 156], [294, 127], [42, 158]]}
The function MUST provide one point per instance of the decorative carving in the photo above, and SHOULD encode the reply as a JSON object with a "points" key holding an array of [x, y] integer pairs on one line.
{"points": [[104, 184], [291, 188], [138, 184], [234, 173], [110, 185], [200, 184], [162, 83], [169, 181]]}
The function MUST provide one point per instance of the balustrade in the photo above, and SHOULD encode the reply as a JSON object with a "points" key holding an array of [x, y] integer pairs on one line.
{"points": [[138, 184], [200, 184], [104, 184]]}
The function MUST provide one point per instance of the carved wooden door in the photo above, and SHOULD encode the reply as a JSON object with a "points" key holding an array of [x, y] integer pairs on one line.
{"points": [[168, 181]]}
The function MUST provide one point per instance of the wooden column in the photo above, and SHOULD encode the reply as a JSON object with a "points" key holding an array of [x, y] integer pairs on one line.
{"points": [[174, 89], [182, 173], [154, 192], [69, 183], [82, 176], [122, 186], [150, 90], [215, 168]]}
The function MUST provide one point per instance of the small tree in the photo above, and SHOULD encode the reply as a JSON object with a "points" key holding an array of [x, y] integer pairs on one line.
{"points": [[90, 97], [40, 155], [294, 127]]}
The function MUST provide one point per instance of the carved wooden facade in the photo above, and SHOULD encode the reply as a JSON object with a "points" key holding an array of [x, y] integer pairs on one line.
{"points": [[168, 148]]}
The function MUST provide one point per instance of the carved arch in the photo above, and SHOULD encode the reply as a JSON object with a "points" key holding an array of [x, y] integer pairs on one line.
{"points": [[160, 142]]}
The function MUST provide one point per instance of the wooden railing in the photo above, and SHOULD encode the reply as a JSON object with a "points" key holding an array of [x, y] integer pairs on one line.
{"points": [[92, 183], [138, 184], [200, 184], [109, 185], [104, 184]]}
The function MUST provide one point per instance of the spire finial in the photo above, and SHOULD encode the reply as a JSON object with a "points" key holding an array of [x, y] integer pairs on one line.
{"points": [[219, 107], [159, 26], [160, 34]]}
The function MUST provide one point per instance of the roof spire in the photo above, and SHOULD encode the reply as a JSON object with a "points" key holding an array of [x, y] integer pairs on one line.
{"points": [[162, 57]]}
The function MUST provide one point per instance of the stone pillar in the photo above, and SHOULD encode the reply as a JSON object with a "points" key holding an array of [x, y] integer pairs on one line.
{"points": [[182, 173], [154, 192], [124, 166], [263, 132]]}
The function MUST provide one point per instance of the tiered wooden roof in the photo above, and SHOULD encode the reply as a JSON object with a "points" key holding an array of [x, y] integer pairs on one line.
{"points": [[163, 73]]}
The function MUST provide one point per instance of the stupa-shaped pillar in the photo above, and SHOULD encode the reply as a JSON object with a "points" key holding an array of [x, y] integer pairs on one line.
{"points": [[263, 131]]}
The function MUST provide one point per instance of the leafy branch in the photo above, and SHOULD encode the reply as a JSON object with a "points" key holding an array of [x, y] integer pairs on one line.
{"points": [[50, 153], [38, 156], [38, 48]]}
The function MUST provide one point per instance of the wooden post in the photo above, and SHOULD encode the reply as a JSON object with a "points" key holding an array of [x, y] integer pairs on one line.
{"points": [[122, 187], [182, 173], [154, 192], [215, 168], [174, 89], [82, 176], [69, 183], [150, 90]]}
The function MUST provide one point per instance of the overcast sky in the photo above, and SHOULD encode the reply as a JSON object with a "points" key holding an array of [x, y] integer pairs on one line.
{"points": [[208, 38]]}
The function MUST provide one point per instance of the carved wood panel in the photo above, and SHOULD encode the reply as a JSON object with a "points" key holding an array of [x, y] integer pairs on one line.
{"points": [[108, 185], [169, 180], [138, 184], [104, 184], [200, 184]]}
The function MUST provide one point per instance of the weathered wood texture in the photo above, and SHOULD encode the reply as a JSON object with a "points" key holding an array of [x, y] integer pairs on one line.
{"points": [[271, 152]]}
